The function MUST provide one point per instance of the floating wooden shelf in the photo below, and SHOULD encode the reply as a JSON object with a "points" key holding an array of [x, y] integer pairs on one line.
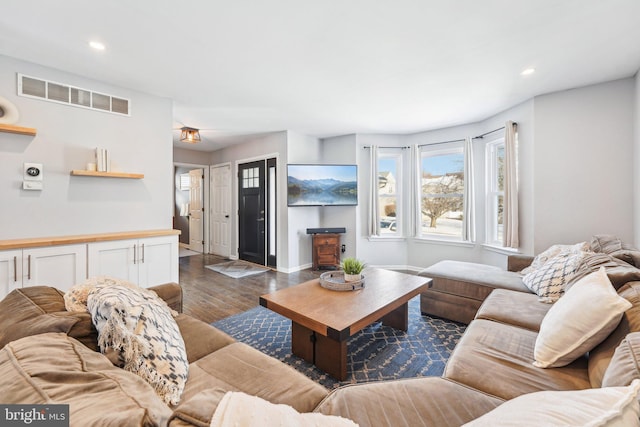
{"points": [[80, 172], [17, 129]]}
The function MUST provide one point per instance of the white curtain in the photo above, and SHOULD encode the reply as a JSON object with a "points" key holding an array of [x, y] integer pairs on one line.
{"points": [[416, 192], [374, 211], [510, 216], [469, 203]]}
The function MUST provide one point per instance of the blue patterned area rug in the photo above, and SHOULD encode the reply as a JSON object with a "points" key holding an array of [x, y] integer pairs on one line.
{"points": [[375, 353]]}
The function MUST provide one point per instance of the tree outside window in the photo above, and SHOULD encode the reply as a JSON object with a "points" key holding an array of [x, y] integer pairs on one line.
{"points": [[442, 192]]}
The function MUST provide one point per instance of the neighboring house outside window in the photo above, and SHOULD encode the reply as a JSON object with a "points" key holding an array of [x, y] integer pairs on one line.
{"points": [[389, 192], [442, 184], [494, 155]]}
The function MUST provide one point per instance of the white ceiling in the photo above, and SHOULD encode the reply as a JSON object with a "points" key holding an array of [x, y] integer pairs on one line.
{"points": [[329, 67]]}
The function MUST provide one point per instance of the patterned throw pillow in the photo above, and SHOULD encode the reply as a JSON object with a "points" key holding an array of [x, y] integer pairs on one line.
{"points": [[548, 281], [139, 326], [553, 251]]}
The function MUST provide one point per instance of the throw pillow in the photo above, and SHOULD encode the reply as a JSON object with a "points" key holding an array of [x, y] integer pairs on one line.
{"points": [[579, 321], [241, 409], [548, 281], [625, 364], [542, 258], [611, 407], [76, 298], [139, 326]]}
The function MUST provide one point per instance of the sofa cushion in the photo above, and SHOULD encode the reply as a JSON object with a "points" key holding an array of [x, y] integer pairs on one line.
{"points": [[428, 401], [569, 330], [200, 338], [612, 407], [549, 280], [197, 410], [471, 280], [601, 355], [514, 308], [39, 309], [496, 358], [625, 364], [53, 367], [139, 326], [239, 367]]}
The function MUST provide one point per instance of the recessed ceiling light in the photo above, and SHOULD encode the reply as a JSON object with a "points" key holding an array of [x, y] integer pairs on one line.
{"points": [[97, 45], [528, 71]]}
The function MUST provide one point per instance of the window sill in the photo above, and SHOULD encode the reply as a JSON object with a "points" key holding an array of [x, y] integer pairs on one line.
{"points": [[386, 239], [500, 249], [461, 243]]}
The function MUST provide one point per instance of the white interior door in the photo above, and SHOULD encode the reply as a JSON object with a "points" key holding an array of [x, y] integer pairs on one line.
{"points": [[221, 210], [196, 225]]}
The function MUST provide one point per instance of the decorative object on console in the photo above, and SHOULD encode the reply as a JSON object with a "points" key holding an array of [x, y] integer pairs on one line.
{"points": [[8, 112], [189, 135]]}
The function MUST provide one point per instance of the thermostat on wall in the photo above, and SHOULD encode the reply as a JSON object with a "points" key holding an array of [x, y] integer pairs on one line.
{"points": [[32, 176]]}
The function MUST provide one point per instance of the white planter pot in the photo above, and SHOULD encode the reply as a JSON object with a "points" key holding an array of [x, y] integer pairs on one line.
{"points": [[352, 277]]}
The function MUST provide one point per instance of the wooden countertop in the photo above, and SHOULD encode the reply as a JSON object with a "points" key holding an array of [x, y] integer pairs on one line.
{"points": [[82, 238]]}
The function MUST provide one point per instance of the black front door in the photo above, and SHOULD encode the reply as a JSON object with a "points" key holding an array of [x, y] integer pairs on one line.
{"points": [[251, 212]]}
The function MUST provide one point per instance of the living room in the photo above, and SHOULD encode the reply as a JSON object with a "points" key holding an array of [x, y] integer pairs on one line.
{"points": [[578, 135]]}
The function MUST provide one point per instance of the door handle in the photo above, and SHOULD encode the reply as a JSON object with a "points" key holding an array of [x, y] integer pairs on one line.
{"points": [[135, 254], [226, 216], [29, 267], [142, 254], [15, 268]]}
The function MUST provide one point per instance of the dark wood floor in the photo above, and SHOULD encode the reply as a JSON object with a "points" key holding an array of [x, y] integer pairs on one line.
{"points": [[211, 296]]}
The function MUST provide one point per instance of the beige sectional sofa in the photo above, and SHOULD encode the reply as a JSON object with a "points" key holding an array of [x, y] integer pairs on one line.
{"points": [[49, 356], [492, 364]]}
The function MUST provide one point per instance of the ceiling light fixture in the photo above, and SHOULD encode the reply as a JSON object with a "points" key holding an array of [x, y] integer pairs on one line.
{"points": [[190, 135], [528, 71], [97, 45]]}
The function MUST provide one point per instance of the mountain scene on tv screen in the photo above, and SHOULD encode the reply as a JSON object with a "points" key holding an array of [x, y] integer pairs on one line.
{"points": [[326, 191]]}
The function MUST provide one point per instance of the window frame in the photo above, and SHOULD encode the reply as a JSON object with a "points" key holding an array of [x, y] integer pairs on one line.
{"points": [[493, 192], [398, 155], [433, 150]]}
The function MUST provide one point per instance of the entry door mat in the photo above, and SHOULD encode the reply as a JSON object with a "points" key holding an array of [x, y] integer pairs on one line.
{"points": [[376, 353], [237, 269]]}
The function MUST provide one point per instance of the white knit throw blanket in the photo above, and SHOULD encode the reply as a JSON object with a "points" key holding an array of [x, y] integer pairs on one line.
{"points": [[240, 409]]}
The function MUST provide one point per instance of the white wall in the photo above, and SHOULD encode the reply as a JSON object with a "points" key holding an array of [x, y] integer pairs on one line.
{"points": [[194, 157], [67, 137], [583, 164], [636, 162], [342, 150], [300, 149]]}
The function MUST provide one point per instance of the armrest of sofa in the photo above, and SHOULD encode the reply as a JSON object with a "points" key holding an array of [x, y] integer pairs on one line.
{"points": [[518, 262], [171, 293]]}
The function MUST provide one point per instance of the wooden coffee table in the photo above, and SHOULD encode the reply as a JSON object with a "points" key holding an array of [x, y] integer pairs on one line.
{"points": [[322, 320]]}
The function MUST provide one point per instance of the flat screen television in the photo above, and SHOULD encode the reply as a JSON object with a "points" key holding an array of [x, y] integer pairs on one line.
{"points": [[322, 185]]}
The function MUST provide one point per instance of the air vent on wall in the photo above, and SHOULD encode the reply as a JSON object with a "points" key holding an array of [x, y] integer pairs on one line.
{"points": [[33, 87]]}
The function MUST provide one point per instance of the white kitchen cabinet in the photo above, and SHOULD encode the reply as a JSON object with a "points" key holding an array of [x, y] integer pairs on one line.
{"points": [[10, 271], [146, 262], [59, 266]]}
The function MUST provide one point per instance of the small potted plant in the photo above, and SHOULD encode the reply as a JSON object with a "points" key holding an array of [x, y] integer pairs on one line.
{"points": [[352, 269]]}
